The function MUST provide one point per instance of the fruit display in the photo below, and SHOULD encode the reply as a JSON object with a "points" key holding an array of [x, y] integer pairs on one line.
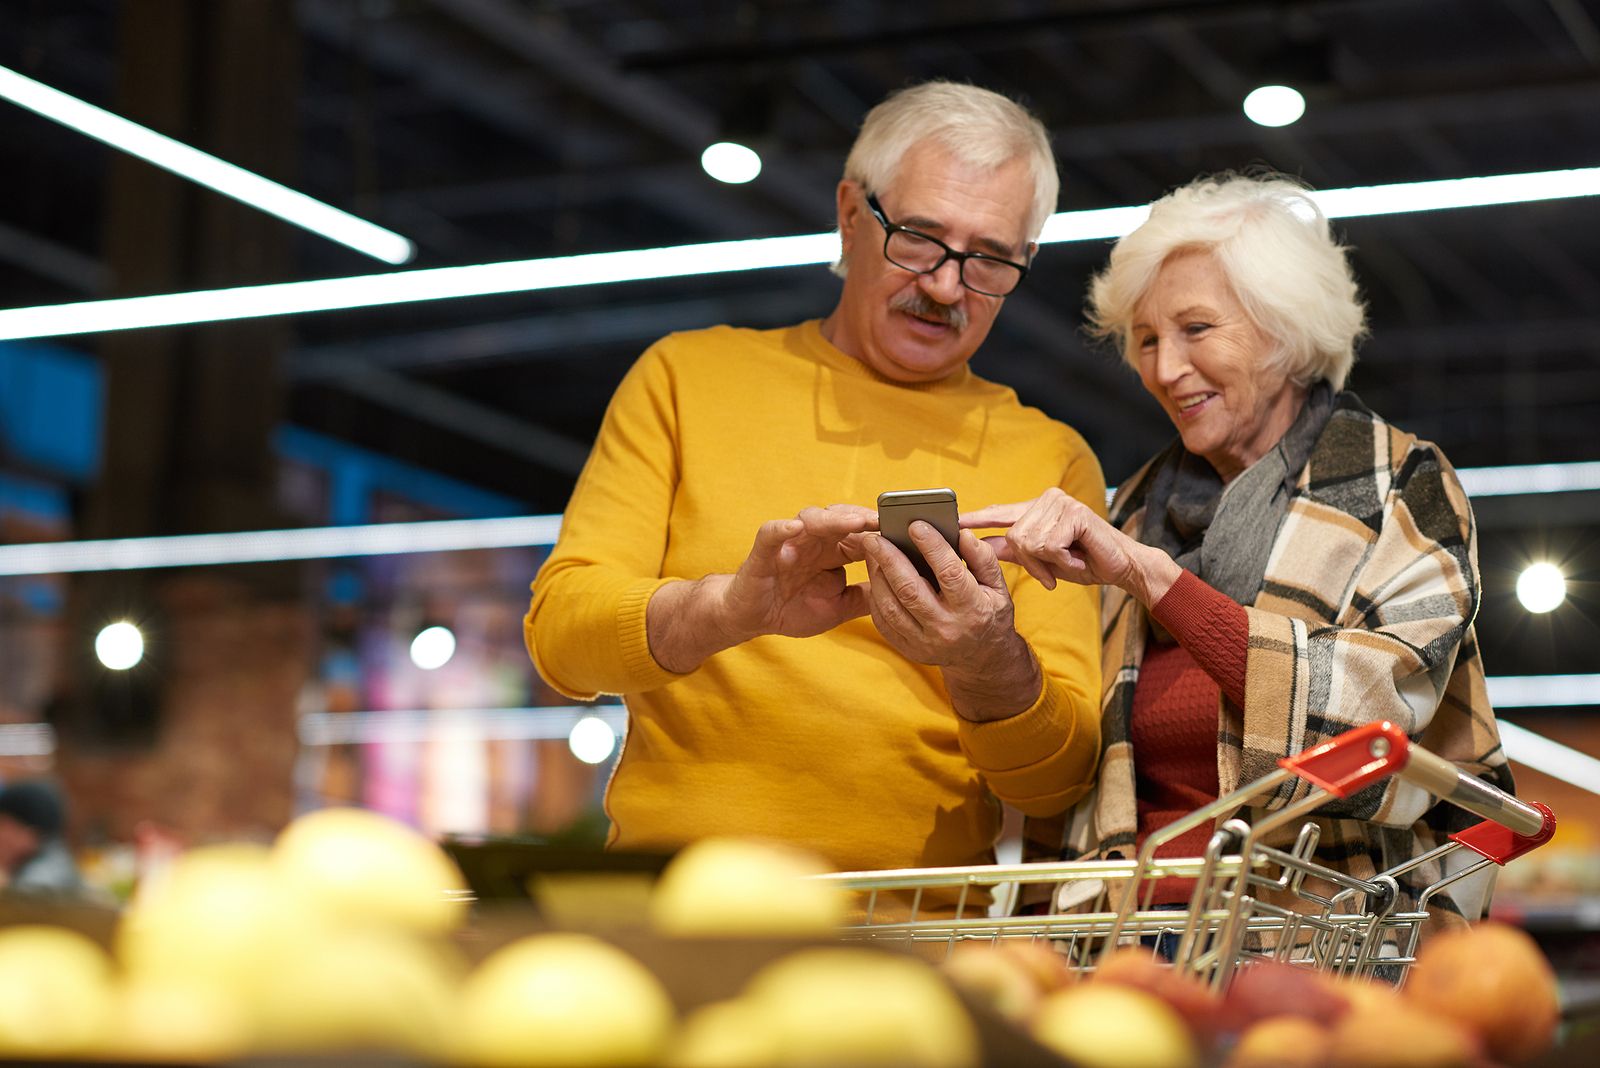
{"points": [[349, 938], [1476, 996]]}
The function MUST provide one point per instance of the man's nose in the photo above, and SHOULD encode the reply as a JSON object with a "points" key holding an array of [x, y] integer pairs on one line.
{"points": [[943, 284]]}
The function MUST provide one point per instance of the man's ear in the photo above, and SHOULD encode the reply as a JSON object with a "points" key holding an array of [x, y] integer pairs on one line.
{"points": [[1033, 250], [850, 206]]}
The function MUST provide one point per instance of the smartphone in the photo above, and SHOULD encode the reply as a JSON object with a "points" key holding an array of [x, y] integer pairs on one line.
{"points": [[936, 507]]}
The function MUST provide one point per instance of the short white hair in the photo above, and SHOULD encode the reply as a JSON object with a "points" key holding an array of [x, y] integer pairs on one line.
{"points": [[978, 126], [1276, 250]]}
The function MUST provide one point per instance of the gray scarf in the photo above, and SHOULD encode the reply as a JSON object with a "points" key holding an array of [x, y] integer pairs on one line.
{"points": [[1224, 533]]}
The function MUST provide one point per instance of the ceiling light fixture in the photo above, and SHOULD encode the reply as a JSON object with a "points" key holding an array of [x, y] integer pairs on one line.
{"points": [[1541, 588], [1274, 105], [521, 276], [205, 169], [433, 647], [729, 162], [119, 646], [592, 740]]}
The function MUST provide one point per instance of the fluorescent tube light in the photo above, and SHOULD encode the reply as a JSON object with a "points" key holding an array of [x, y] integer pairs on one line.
{"points": [[27, 739], [519, 276], [378, 539], [1550, 756], [399, 287], [262, 546], [1543, 691], [1530, 478], [206, 169], [418, 725]]}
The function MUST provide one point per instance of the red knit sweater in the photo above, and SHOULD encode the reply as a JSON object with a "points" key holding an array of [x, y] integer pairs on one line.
{"points": [[1175, 713]]}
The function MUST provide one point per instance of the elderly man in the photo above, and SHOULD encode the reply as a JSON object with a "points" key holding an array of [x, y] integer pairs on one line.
{"points": [[761, 699]]}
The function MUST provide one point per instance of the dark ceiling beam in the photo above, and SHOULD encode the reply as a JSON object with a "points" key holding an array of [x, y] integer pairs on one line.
{"points": [[1396, 345], [508, 102], [53, 261], [1326, 117], [552, 335], [471, 420], [644, 102], [1580, 27]]}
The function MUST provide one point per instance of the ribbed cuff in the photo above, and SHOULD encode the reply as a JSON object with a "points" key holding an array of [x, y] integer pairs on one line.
{"points": [[1022, 739], [634, 637], [1212, 626]]}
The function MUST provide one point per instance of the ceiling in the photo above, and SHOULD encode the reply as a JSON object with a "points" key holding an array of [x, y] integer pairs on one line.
{"points": [[503, 129]]}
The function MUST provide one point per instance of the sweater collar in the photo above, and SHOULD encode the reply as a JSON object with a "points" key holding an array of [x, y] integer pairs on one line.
{"points": [[809, 336]]}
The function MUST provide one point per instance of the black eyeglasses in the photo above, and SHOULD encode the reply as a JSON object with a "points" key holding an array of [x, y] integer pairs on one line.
{"points": [[921, 253]]}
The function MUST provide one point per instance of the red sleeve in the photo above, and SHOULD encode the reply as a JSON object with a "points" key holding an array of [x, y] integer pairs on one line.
{"points": [[1212, 626]]}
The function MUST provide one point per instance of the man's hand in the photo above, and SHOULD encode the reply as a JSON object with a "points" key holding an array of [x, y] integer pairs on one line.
{"points": [[792, 583], [1055, 536], [965, 628]]}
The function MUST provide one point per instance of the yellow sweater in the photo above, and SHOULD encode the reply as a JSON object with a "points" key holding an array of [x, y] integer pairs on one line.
{"points": [[834, 742]]}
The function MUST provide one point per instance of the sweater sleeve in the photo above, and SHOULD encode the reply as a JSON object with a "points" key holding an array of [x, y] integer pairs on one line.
{"points": [[1212, 627], [585, 628], [1043, 760]]}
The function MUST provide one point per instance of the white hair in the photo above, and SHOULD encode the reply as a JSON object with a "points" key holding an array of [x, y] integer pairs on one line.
{"points": [[979, 127], [1276, 250]]}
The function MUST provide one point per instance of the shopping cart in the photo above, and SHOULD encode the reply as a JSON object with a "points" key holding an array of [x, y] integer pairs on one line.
{"points": [[1250, 900]]}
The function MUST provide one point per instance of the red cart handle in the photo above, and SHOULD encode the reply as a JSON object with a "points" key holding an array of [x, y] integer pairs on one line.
{"points": [[1360, 757]]}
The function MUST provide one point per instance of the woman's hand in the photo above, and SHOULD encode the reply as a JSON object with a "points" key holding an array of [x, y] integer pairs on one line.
{"points": [[1057, 537]]}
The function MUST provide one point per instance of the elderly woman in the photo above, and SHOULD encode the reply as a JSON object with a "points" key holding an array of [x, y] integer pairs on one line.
{"points": [[1291, 567]]}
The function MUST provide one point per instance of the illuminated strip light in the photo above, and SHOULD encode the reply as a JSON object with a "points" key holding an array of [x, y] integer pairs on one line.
{"points": [[1551, 757], [263, 546], [206, 169], [520, 276], [400, 287], [26, 739], [1543, 691], [1530, 478], [420, 725]]}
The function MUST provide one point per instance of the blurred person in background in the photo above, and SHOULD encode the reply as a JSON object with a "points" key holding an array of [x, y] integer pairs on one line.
{"points": [[1290, 567], [762, 701], [33, 852]]}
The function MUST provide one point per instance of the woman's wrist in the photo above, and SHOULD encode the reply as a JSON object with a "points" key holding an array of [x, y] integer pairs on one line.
{"points": [[1154, 573]]}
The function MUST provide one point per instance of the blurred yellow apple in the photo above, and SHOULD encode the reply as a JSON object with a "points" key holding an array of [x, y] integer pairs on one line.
{"points": [[55, 992], [1108, 1025], [862, 1007], [741, 886], [213, 919], [363, 867], [168, 1021], [357, 989], [725, 1034], [562, 1001]]}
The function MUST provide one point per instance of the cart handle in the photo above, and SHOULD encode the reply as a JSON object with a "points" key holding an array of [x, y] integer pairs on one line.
{"points": [[1359, 757]]}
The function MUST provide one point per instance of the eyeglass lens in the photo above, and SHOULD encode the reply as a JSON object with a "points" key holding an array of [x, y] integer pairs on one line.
{"points": [[917, 253]]}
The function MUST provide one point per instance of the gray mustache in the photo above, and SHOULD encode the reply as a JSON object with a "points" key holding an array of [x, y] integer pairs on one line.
{"points": [[923, 306]]}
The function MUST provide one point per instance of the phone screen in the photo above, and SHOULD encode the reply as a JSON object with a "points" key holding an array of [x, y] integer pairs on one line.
{"points": [[937, 507]]}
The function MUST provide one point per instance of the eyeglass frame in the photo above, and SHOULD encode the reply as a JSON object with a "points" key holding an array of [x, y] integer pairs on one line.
{"points": [[961, 258]]}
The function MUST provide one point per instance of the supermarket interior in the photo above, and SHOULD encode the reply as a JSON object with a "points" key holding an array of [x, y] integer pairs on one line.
{"points": [[314, 312]]}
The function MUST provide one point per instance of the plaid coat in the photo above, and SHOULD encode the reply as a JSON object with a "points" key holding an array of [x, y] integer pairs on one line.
{"points": [[1366, 613]]}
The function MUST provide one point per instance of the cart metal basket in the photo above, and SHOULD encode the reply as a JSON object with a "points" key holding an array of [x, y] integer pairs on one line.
{"points": [[1356, 930]]}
